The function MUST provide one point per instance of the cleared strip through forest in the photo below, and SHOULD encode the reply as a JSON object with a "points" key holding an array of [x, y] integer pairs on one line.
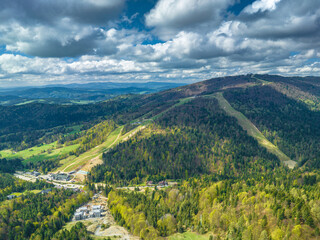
{"points": [[253, 131]]}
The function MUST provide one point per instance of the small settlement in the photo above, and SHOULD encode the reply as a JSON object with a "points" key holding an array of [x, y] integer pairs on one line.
{"points": [[88, 211], [160, 184], [34, 173]]}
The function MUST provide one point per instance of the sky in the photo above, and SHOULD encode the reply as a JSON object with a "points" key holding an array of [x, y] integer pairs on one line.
{"points": [[66, 41]]}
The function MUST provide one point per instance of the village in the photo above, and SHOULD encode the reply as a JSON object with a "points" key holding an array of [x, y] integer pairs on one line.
{"points": [[90, 210], [59, 180], [95, 214]]}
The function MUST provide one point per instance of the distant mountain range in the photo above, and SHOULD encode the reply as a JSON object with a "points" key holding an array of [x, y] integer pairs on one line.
{"points": [[79, 93]]}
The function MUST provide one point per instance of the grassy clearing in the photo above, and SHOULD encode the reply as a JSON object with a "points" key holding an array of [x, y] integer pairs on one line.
{"points": [[26, 102], [39, 153], [25, 192], [69, 225], [75, 129], [253, 131], [115, 137], [71, 163], [189, 236], [42, 152], [28, 153]]}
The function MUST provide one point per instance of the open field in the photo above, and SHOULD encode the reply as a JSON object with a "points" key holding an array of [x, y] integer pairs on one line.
{"points": [[39, 153], [93, 157], [73, 162], [25, 192], [44, 151], [253, 131]]}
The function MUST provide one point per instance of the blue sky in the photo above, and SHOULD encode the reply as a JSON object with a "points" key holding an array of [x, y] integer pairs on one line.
{"points": [[64, 41]]}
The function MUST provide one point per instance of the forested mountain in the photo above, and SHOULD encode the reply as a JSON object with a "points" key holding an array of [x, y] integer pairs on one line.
{"points": [[192, 139], [275, 205], [286, 122], [228, 184]]}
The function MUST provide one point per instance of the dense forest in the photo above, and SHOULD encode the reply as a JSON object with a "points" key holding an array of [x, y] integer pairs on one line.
{"points": [[9, 184], [227, 186], [32, 215], [192, 139], [77, 232], [10, 166], [289, 124], [278, 204]]}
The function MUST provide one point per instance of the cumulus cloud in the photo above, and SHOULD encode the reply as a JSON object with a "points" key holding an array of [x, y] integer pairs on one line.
{"points": [[56, 28], [183, 40], [261, 5], [172, 16]]}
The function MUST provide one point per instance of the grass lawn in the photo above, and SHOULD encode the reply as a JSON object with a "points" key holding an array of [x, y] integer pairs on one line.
{"points": [[252, 130]]}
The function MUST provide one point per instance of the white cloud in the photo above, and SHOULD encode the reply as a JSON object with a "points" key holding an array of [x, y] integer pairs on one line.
{"points": [[172, 16], [200, 40], [56, 28], [261, 6]]}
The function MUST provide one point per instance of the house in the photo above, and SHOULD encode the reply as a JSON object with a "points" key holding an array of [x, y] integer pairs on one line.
{"points": [[96, 207], [163, 183], [9, 197], [96, 213], [78, 216], [149, 183], [61, 177], [46, 191], [36, 174], [83, 210]]}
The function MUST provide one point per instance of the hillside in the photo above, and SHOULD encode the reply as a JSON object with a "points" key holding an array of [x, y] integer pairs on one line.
{"points": [[266, 114], [284, 110], [241, 155]]}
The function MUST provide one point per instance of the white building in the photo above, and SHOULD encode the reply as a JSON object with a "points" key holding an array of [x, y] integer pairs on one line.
{"points": [[96, 207], [83, 209], [78, 216], [96, 213]]}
